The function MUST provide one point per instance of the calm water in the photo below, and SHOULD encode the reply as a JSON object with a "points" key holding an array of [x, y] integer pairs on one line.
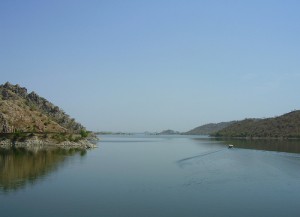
{"points": [[154, 176]]}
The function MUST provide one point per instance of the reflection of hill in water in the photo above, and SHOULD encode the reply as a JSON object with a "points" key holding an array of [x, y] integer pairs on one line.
{"points": [[288, 145], [19, 167]]}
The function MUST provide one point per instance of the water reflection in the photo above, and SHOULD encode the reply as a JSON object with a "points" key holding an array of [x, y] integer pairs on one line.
{"points": [[21, 167], [289, 146]]}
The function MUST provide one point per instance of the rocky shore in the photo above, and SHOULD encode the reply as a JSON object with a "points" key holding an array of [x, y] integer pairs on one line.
{"points": [[36, 142]]}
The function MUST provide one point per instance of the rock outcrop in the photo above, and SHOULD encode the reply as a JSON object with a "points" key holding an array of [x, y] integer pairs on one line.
{"points": [[4, 126]]}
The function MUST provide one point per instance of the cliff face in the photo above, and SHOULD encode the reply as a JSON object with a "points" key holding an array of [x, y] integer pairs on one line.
{"points": [[28, 112]]}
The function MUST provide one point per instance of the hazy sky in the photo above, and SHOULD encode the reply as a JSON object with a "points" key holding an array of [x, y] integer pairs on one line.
{"points": [[153, 65]]}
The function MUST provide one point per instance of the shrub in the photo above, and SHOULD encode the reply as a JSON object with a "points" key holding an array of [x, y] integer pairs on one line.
{"points": [[84, 133], [19, 135], [60, 137]]}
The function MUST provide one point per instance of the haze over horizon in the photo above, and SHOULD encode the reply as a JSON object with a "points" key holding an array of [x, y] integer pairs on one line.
{"points": [[139, 66]]}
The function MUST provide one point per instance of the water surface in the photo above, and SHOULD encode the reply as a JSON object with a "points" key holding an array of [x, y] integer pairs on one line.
{"points": [[154, 176]]}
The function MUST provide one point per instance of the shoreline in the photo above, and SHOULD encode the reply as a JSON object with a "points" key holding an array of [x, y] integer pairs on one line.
{"points": [[255, 138], [34, 143]]}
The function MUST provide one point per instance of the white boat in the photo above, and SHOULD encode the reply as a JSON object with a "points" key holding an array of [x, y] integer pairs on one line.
{"points": [[230, 146]]}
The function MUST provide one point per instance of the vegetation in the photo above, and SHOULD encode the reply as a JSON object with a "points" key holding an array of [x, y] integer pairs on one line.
{"points": [[84, 134], [19, 136], [25, 115], [16, 136], [285, 126], [25, 112], [208, 129]]}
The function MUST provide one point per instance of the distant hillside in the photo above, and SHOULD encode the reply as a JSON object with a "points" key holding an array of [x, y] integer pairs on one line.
{"points": [[208, 129], [168, 132], [28, 112], [285, 126]]}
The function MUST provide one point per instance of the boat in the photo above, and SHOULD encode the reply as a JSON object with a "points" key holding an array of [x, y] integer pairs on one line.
{"points": [[230, 146]]}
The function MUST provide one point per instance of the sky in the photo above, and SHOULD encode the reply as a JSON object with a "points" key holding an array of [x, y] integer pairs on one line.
{"points": [[136, 66]]}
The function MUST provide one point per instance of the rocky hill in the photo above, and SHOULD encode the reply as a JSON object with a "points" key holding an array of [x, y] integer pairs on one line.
{"points": [[208, 129], [28, 112], [285, 126]]}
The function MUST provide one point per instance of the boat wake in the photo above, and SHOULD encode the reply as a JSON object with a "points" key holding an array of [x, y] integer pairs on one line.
{"points": [[200, 155]]}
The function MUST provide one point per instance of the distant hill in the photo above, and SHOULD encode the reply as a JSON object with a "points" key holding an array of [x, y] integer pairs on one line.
{"points": [[28, 112], [285, 126], [168, 132], [208, 129]]}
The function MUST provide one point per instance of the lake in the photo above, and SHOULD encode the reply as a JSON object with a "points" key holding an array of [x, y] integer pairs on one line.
{"points": [[153, 176]]}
